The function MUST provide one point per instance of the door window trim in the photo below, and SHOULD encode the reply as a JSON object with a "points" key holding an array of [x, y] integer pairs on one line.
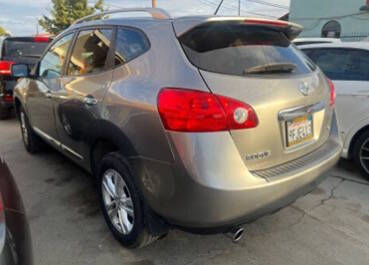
{"points": [[115, 44], [37, 69], [107, 66]]}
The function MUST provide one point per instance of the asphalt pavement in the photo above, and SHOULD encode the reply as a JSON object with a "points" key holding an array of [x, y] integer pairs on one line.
{"points": [[328, 226]]}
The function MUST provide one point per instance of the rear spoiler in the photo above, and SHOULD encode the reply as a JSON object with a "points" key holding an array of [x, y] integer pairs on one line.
{"points": [[185, 24]]}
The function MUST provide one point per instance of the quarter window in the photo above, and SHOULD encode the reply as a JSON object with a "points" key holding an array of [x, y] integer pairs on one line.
{"points": [[90, 52], [129, 45], [342, 64], [51, 65]]}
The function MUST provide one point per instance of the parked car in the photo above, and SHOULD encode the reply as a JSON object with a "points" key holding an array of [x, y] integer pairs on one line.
{"points": [[15, 240], [24, 50], [347, 64], [201, 123], [308, 41]]}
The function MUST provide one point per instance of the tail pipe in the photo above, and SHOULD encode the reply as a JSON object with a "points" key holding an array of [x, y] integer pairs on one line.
{"points": [[235, 234]]}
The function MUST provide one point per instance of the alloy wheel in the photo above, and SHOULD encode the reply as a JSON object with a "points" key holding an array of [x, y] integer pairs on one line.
{"points": [[118, 201], [24, 127], [364, 155]]}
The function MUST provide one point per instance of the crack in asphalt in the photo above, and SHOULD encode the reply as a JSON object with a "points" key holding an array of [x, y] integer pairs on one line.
{"points": [[362, 182], [305, 213], [321, 203], [331, 195]]}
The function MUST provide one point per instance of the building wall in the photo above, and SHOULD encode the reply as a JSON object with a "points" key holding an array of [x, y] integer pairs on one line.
{"points": [[314, 14]]}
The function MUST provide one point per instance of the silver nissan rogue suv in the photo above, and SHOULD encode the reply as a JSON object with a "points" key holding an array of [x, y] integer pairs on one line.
{"points": [[198, 123]]}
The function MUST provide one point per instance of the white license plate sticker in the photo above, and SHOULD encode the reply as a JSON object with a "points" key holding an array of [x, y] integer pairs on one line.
{"points": [[299, 130]]}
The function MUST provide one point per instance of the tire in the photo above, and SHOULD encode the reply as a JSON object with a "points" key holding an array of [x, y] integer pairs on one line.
{"points": [[5, 113], [361, 154], [125, 218], [31, 141]]}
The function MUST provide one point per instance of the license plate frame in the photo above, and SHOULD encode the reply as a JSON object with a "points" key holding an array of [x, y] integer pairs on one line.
{"points": [[299, 130]]}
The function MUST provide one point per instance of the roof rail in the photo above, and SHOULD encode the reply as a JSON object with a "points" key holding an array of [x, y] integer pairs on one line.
{"points": [[156, 13]]}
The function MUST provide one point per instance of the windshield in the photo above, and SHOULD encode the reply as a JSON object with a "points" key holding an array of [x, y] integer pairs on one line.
{"points": [[230, 48]]}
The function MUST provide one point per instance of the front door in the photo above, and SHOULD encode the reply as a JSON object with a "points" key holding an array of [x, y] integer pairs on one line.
{"points": [[44, 86], [78, 102]]}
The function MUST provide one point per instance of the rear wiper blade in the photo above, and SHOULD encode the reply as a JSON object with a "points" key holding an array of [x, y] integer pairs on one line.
{"points": [[271, 68], [31, 56]]}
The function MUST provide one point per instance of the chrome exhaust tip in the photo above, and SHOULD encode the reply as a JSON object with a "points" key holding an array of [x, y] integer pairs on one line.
{"points": [[236, 234]]}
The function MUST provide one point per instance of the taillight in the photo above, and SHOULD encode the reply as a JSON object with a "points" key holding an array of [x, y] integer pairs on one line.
{"points": [[332, 93], [196, 111], [41, 38], [8, 98], [5, 67]]}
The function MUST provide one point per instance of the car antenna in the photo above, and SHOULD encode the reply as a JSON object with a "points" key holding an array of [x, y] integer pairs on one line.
{"points": [[220, 4]]}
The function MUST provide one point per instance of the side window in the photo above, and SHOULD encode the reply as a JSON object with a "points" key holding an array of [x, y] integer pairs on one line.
{"points": [[342, 64], [129, 45], [90, 52], [359, 69], [51, 66]]}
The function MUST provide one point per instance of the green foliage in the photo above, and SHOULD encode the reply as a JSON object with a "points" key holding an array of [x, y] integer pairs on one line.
{"points": [[65, 12], [2, 31]]}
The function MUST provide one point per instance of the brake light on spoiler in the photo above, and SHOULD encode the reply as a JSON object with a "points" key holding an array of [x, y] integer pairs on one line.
{"points": [[41, 38], [5, 67], [291, 30], [267, 22]]}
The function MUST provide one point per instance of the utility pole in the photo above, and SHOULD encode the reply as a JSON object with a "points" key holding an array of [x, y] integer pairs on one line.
{"points": [[154, 3], [239, 8]]}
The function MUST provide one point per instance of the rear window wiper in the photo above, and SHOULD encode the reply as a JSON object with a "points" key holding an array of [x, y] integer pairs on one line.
{"points": [[31, 56], [273, 68]]}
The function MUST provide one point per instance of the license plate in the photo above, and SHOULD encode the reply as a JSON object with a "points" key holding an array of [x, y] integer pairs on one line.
{"points": [[299, 130]]}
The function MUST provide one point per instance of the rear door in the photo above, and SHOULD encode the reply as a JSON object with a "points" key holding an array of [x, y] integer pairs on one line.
{"points": [[292, 105], [78, 102], [348, 68]]}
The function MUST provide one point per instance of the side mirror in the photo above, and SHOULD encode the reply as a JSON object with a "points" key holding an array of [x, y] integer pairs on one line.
{"points": [[19, 70]]}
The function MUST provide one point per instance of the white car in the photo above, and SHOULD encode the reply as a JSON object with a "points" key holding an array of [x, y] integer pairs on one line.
{"points": [[308, 41], [347, 65]]}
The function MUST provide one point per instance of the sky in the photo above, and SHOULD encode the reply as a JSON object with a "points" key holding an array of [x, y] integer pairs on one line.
{"points": [[20, 16]]}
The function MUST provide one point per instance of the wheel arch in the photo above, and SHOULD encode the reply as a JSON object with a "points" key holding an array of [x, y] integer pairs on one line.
{"points": [[17, 105], [106, 137], [354, 138]]}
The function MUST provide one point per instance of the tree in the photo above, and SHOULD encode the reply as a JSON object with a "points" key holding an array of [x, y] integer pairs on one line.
{"points": [[65, 12], [2, 31]]}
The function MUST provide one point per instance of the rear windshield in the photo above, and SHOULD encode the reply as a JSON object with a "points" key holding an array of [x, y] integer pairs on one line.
{"points": [[230, 48], [26, 47]]}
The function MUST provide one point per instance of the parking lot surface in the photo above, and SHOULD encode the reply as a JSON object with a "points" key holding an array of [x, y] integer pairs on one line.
{"points": [[328, 226]]}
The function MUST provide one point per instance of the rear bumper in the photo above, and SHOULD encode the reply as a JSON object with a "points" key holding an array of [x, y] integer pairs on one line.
{"points": [[4, 104], [211, 190]]}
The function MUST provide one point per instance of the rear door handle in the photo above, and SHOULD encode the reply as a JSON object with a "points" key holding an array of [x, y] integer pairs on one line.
{"points": [[89, 100]]}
